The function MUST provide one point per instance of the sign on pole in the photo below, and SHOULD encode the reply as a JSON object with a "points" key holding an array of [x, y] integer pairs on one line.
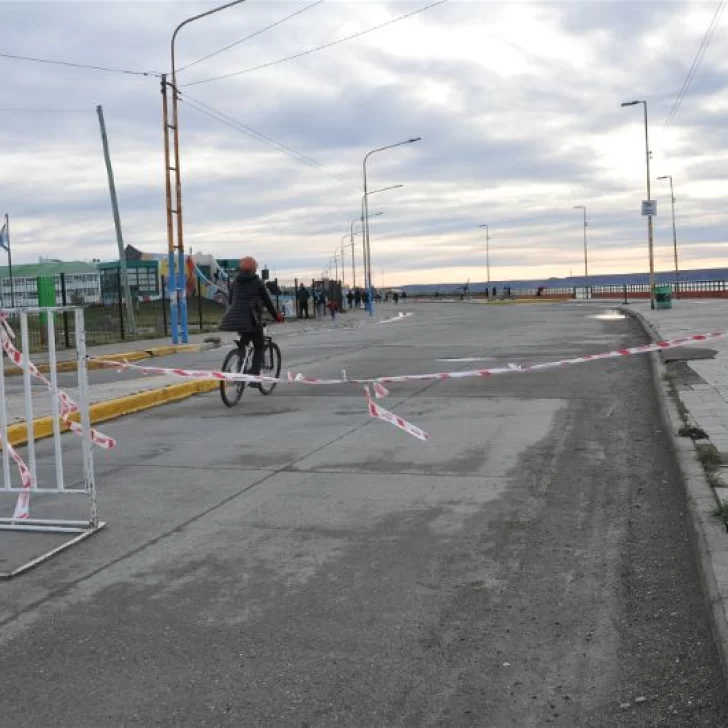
{"points": [[649, 208]]}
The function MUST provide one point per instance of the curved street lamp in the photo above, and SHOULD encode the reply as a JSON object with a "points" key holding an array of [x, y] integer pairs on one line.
{"points": [[365, 217], [650, 235], [178, 292]]}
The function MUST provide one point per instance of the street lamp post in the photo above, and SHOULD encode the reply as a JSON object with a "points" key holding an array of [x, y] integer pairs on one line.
{"points": [[177, 283], [365, 217], [354, 222], [586, 257], [674, 235], [365, 230], [487, 253], [650, 236]]}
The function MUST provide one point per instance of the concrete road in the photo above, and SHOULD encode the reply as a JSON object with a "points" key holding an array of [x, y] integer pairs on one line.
{"points": [[292, 562]]}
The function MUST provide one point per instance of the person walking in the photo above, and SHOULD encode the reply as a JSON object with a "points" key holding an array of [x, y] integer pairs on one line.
{"points": [[350, 298], [395, 296], [357, 298], [303, 296]]}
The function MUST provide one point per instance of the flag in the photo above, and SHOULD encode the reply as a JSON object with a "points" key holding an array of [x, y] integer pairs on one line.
{"points": [[4, 238]]}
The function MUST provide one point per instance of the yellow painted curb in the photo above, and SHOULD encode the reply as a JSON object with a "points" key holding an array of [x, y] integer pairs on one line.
{"points": [[97, 361], [114, 408]]}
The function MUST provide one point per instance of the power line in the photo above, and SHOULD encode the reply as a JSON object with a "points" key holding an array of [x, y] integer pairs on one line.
{"points": [[318, 48], [252, 35], [229, 121], [84, 66], [707, 38]]}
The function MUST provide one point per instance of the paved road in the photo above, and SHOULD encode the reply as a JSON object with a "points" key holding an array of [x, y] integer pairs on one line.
{"points": [[291, 562]]}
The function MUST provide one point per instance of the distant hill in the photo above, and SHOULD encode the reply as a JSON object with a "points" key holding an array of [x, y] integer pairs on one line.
{"points": [[614, 279]]}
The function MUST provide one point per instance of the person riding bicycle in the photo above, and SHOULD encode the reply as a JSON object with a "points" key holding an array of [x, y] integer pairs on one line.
{"points": [[247, 295]]}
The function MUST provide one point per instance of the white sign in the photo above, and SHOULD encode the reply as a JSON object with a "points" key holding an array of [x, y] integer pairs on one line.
{"points": [[649, 208]]}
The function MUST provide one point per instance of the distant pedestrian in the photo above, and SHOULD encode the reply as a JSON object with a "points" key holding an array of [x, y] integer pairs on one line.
{"points": [[495, 292], [303, 296], [404, 296], [332, 306], [365, 298], [395, 296], [357, 298], [350, 298]]}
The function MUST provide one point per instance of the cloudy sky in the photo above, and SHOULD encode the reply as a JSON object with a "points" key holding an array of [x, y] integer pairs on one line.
{"points": [[518, 105]]}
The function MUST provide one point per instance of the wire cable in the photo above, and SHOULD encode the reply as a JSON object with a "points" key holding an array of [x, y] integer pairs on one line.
{"points": [[84, 66], [229, 121], [317, 48], [249, 37], [707, 38]]}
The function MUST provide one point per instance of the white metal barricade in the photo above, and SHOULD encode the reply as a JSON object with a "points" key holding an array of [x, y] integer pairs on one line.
{"points": [[20, 468]]}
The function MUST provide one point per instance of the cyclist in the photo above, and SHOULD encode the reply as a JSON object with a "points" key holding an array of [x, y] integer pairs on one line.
{"points": [[247, 295]]}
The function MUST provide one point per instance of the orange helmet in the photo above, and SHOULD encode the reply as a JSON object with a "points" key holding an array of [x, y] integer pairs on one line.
{"points": [[249, 264]]}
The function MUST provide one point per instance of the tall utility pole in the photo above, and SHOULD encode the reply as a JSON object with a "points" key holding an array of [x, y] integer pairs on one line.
{"points": [[177, 282], [650, 233], [487, 253], [674, 236], [131, 323], [586, 257]]}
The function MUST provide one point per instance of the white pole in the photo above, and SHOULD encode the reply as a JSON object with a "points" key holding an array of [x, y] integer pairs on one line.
{"points": [[28, 393], [54, 401], [83, 403], [7, 484]]}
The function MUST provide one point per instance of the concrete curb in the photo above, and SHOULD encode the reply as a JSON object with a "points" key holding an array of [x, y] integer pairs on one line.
{"points": [[709, 536], [114, 408], [96, 362]]}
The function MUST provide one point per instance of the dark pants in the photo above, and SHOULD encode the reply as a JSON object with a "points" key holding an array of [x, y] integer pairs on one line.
{"points": [[303, 308], [258, 340]]}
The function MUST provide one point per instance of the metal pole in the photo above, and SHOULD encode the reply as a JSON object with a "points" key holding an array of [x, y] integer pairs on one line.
{"points": [[181, 277], [586, 263], [170, 226], [343, 260], [674, 241], [650, 238], [367, 256], [353, 263], [117, 223], [10, 261]]}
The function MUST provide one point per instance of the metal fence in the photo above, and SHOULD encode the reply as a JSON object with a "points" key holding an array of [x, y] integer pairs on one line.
{"points": [[105, 312], [33, 474]]}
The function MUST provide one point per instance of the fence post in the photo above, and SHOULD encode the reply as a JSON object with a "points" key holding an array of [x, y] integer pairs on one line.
{"points": [[64, 301], [163, 283], [295, 298], [625, 292], [121, 303], [199, 302]]}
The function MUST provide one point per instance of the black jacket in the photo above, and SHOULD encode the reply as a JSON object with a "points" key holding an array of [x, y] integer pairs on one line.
{"points": [[246, 298]]}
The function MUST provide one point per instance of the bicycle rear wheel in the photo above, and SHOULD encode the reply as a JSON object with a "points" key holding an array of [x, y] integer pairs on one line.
{"points": [[271, 367], [231, 392]]}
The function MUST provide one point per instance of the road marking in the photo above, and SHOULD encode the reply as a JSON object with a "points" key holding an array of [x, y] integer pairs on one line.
{"points": [[398, 317]]}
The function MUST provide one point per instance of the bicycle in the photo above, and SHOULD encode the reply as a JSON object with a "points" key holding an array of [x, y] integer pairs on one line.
{"points": [[240, 360]]}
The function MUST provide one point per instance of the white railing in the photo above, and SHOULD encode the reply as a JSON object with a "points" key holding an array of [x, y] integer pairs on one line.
{"points": [[23, 481]]}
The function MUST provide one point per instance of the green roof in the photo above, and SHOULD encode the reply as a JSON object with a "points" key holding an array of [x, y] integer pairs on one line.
{"points": [[52, 268]]}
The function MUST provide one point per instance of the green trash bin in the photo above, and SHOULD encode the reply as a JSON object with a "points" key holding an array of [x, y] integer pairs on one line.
{"points": [[663, 296]]}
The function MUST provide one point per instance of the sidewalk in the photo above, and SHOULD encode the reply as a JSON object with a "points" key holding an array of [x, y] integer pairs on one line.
{"points": [[705, 395]]}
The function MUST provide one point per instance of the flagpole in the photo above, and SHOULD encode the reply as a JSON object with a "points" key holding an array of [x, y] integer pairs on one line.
{"points": [[10, 261]]}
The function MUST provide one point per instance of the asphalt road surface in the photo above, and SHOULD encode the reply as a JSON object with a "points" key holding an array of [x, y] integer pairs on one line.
{"points": [[292, 562]]}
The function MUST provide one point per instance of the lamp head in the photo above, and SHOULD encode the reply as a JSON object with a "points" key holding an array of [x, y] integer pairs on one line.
{"points": [[631, 103]]}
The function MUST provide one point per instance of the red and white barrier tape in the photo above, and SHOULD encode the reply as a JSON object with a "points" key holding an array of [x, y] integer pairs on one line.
{"points": [[377, 383]]}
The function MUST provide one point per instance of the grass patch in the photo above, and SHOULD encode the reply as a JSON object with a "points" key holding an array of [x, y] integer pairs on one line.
{"points": [[721, 511], [710, 457]]}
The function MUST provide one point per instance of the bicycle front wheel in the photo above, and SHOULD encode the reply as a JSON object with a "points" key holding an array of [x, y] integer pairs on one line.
{"points": [[271, 367], [231, 392]]}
